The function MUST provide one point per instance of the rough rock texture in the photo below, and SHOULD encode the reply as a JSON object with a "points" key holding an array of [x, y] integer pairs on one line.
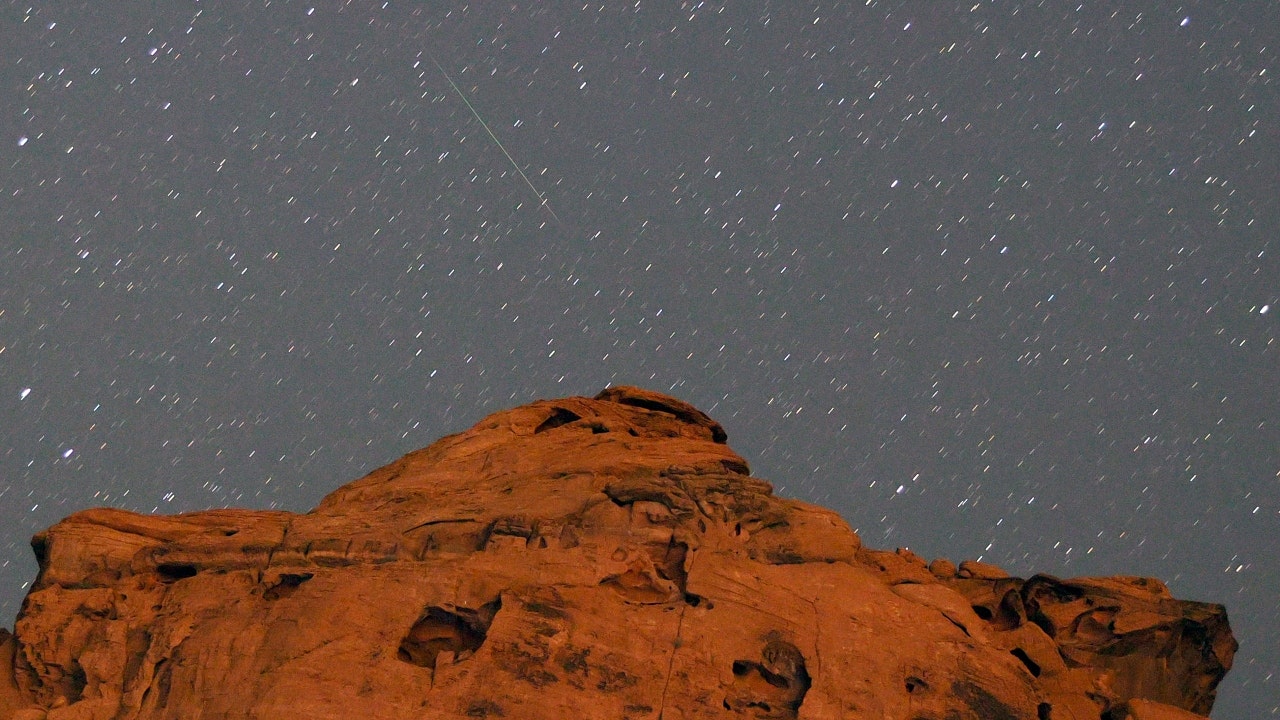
{"points": [[588, 558]]}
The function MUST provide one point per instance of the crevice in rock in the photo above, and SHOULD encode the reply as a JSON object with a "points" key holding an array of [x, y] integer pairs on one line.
{"points": [[1032, 666], [442, 521], [958, 624], [671, 663], [445, 535], [781, 556]]}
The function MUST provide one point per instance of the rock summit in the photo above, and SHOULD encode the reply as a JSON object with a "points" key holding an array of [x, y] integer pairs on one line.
{"points": [[604, 557]]}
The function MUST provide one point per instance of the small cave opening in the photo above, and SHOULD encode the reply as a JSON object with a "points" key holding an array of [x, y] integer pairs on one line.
{"points": [[460, 631], [173, 572]]}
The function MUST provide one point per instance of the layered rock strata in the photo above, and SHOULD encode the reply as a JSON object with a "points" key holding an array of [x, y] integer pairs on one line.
{"points": [[604, 557]]}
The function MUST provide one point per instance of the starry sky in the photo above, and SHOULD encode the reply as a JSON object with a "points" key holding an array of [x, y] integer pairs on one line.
{"points": [[993, 279]]}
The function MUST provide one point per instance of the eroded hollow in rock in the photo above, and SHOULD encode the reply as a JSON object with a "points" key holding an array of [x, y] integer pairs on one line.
{"points": [[914, 683], [460, 631], [658, 579], [640, 585], [682, 412], [773, 687], [285, 586], [173, 572], [1006, 613], [560, 416]]}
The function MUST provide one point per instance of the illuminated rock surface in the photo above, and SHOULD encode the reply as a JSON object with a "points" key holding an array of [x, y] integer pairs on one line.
{"points": [[588, 558]]}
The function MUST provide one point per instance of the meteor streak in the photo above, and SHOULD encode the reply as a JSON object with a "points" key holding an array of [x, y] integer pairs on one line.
{"points": [[542, 201]]}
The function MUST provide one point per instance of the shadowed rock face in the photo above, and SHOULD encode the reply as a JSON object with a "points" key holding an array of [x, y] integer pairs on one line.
{"points": [[592, 558]]}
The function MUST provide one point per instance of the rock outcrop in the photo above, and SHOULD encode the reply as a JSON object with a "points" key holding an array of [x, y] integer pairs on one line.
{"points": [[586, 558]]}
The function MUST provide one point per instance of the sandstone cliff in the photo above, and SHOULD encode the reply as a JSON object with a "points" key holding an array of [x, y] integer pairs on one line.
{"points": [[585, 558]]}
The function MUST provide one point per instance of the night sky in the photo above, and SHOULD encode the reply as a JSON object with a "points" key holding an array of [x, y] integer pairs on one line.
{"points": [[995, 280]]}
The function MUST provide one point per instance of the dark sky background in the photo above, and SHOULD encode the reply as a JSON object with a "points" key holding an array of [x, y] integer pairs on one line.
{"points": [[995, 280]]}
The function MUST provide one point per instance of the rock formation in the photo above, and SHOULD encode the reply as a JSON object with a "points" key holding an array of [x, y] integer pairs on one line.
{"points": [[576, 558]]}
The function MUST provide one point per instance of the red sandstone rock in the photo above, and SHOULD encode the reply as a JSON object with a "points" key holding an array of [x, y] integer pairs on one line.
{"points": [[587, 558]]}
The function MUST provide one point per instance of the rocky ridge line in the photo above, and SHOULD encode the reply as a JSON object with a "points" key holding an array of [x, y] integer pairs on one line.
{"points": [[597, 558]]}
